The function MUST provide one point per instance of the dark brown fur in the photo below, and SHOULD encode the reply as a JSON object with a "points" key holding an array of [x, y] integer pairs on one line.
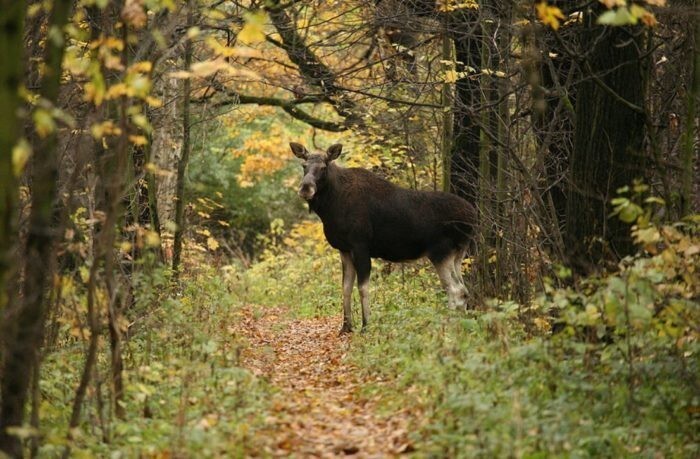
{"points": [[368, 217]]}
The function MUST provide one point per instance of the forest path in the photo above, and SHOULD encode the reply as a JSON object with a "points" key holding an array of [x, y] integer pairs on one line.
{"points": [[318, 410]]}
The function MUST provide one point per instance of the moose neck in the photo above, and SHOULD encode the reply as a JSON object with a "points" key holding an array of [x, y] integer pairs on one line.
{"points": [[322, 202]]}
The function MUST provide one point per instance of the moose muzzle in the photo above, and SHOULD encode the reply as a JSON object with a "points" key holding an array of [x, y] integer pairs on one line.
{"points": [[307, 191]]}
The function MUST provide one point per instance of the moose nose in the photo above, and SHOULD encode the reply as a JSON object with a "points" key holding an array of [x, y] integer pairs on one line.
{"points": [[307, 191]]}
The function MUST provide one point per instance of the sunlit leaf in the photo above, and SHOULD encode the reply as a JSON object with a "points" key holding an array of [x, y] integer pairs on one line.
{"points": [[142, 67], [138, 140], [453, 5], [193, 32], [549, 15], [647, 235], [21, 153], [152, 239], [450, 76], [254, 29], [43, 122], [212, 243], [619, 17]]}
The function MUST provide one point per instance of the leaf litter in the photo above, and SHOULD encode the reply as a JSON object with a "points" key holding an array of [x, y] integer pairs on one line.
{"points": [[318, 409]]}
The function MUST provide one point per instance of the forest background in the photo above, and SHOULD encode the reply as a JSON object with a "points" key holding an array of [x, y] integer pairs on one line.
{"points": [[147, 206]]}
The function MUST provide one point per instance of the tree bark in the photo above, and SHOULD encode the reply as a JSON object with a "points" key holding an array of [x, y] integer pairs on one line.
{"points": [[447, 99], [184, 156], [464, 167], [607, 153], [690, 134], [12, 15], [25, 337]]}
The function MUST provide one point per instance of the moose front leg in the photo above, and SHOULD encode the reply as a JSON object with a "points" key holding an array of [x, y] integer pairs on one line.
{"points": [[348, 282], [363, 266]]}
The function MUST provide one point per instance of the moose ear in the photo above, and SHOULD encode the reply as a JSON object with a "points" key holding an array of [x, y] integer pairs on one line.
{"points": [[333, 152], [299, 150]]}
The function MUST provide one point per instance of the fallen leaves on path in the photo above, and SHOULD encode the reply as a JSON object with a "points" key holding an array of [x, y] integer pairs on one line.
{"points": [[318, 410]]}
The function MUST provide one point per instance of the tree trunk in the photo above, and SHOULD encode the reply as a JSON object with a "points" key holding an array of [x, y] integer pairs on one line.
{"points": [[464, 167], [11, 46], [148, 200], [184, 157], [447, 99], [690, 133], [24, 339], [167, 144], [607, 154]]}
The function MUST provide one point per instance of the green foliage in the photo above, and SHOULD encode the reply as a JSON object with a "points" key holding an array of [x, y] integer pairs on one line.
{"points": [[185, 391], [219, 195], [606, 369], [297, 268], [486, 389]]}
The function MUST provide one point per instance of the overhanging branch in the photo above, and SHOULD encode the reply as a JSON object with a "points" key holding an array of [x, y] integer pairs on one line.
{"points": [[289, 106]]}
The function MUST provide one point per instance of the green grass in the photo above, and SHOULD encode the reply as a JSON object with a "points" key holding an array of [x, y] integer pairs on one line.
{"points": [[489, 383], [186, 393], [487, 390]]}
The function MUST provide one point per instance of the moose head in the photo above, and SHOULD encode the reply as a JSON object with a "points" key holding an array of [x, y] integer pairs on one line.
{"points": [[315, 168]]}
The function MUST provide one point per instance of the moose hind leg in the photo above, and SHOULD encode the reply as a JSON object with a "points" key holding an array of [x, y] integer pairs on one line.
{"points": [[459, 279], [445, 268], [460, 254], [348, 283]]}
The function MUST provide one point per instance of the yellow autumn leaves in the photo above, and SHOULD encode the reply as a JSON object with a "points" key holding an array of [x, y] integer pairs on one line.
{"points": [[454, 5], [263, 153], [623, 14], [549, 15], [253, 32], [620, 12], [254, 29]]}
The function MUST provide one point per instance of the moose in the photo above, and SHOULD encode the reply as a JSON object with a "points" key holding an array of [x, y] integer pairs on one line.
{"points": [[365, 216]]}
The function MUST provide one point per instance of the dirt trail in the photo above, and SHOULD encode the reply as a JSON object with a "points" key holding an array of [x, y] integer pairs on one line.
{"points": [[318, 411]]}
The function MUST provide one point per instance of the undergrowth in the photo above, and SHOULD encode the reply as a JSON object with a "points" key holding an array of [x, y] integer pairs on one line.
{"points": [[185, 391], [606, 368]]}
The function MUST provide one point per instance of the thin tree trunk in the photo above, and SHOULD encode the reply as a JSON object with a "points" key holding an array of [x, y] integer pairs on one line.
{"points": [[184, 157], [91, 356], [503, 135], [486, 149], [26, 337], [688, 150], [493, 145], [153, 206], [35, 406], [118, 300], [464, 167], [146, 195], [448, 111]]}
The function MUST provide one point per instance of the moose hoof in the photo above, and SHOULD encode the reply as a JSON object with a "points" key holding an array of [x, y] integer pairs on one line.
{"points": [[347, 328]]}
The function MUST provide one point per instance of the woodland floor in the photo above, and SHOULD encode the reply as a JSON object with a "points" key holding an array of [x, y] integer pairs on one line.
{"points": [[318, 409]]}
